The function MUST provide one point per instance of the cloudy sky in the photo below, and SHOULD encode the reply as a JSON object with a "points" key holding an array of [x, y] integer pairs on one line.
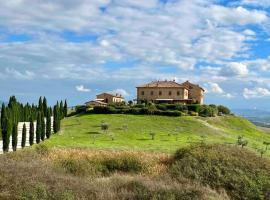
{"points": [[75, 49]]}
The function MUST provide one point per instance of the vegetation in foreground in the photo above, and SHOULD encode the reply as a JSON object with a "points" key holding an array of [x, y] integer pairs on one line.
{"points": [[155, 133], [201, 172]]}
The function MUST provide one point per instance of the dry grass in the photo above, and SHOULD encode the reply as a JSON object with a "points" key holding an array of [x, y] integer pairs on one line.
{"points": [[152, 164], [37, 174]]}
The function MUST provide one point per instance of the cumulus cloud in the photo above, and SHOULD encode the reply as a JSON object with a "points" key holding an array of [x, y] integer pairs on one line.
{"points": [[132, 41], [238, 15], [82, 88], [256, 93], [234, 69], [121, 92], [214, 88]]}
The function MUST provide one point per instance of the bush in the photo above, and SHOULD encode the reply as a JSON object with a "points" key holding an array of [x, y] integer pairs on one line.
{"points": [[104, 110], [242, 173], [207, 111], [121, 164], [80, 109], [194, 107], [191, 113], [224, 110]]}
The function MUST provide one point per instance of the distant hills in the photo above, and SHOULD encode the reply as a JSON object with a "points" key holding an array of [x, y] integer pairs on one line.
{"points": [[258, 117]]}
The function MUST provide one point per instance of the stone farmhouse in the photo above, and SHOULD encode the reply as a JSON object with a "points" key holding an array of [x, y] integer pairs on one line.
{"points": [[104, 99], [170, 92]]}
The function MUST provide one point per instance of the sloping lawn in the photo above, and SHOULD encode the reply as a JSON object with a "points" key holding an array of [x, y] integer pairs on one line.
{"points": [[152, 133]]}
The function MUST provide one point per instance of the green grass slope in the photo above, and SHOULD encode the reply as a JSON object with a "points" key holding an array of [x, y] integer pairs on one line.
{"points": [[133, 132]]}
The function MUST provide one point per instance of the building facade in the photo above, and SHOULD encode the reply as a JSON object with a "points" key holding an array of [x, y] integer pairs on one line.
{"points": [[196, 93], [169, 92], [110, 98]]}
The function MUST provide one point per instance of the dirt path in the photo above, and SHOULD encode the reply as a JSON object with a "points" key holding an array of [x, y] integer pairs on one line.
{"points": [[220, 130]]}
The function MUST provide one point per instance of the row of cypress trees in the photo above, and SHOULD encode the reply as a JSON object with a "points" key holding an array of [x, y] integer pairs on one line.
{"points": [[15, 112]]}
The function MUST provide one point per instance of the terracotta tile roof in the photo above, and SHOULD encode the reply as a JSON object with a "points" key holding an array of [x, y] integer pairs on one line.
{"points": [[113, 95], [162, 84], [188, 85]]}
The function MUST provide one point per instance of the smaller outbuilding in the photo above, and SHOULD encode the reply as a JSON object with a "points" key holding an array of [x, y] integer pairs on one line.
{"points": [[104, 99]]}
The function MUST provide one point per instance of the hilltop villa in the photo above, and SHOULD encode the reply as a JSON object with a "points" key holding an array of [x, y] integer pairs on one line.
{"points": [[106, 98], [170, 92]]}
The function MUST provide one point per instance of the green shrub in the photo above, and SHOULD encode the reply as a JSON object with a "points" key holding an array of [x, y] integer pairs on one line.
{"points": [[208, 111], [194, 107], [242, 173], [224, 110], [161, 107], [191, 113], [80, 109]]}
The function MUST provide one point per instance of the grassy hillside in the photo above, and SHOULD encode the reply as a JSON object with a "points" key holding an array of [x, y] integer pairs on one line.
{"points": [[133, 132]]}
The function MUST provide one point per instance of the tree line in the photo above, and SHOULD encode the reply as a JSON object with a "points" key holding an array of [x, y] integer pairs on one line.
{"points": [[15, 112]]}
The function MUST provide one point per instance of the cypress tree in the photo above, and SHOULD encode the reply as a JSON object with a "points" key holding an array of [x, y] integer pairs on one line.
{"points": [[40, 104], [61, 110], [5, 127], [38, 129], [48, 124], [44, 106], [31, 132], [42, 126], [14, 137], [65, 109], [23, 136], [55, 116]]}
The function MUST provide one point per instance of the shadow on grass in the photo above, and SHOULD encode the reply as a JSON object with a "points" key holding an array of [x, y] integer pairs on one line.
{"points": [[144, 139], [67, 125], [93, 133]]}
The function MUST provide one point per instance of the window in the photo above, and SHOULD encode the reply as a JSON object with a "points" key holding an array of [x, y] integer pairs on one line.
{"points": [[178, 93], [152, 92], [170, 93], [160, 93], [142, 92]]}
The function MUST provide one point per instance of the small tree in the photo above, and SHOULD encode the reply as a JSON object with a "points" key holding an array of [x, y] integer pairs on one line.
{"points": [[266, 143], [23, 136], [261, 151], [31, 132], [14, 137], [241, 141], [152, 134], [105, 127], [125, 127], [94, 137]]}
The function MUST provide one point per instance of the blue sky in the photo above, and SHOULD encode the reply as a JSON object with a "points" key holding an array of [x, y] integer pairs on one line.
{"points": [[72, 50]]}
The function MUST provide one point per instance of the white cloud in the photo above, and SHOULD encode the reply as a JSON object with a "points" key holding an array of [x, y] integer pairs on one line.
{"points": [[121, 92], [25, 75], [260, 64], [238, 15], [256, 93], [234, 69], [214, 88], [81, 88]]}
